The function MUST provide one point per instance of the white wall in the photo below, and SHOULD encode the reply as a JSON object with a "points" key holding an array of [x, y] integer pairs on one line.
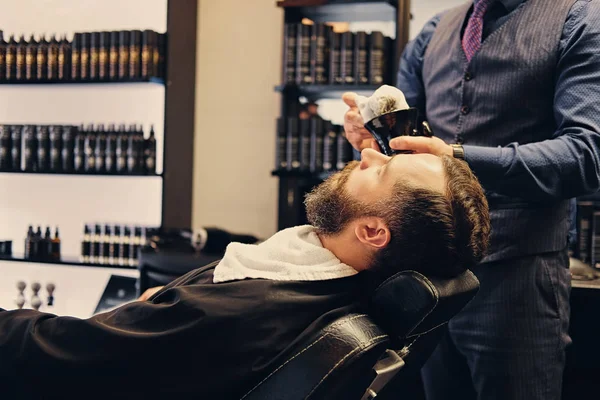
{"points": [[69, 201]]}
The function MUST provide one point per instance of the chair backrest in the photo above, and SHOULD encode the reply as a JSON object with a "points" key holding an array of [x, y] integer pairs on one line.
{"points": [[356, 356]]}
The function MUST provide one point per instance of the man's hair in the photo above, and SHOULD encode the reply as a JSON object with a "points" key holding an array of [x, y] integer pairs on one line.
{"points": [[437, 234]]}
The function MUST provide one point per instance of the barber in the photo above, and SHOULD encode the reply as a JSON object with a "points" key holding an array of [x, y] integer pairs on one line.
{"points": [[513, 88]]}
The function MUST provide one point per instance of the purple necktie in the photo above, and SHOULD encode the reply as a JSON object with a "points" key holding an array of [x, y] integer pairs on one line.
{"points": [[473, 33]]}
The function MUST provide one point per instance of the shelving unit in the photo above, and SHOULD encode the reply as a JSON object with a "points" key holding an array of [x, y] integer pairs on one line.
{"points": [[294, 185], [171, 187]]}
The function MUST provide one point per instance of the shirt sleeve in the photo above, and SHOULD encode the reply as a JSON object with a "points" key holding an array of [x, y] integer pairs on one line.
{"points": [[568, 164]]}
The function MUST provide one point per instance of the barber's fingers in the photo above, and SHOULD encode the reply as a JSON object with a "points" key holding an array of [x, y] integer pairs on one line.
{"points": [[350, 99], [355, 130], [420, 144], [375, 146]]}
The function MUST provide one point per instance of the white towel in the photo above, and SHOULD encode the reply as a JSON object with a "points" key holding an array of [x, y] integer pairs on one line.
{"points": [[293, 254], [383, 100]]}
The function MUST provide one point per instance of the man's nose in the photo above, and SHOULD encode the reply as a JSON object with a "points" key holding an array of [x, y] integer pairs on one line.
{"points": [[371, 157]]}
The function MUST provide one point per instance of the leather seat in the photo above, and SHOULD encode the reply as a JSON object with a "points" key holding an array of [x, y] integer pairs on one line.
{"points": [[356, 356]]}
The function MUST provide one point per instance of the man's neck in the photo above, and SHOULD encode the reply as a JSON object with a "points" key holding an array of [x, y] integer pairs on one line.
{"points": [[349, 253]]}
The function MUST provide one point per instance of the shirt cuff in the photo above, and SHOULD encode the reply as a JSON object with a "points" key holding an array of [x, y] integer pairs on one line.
{"points": [[486, 162]]}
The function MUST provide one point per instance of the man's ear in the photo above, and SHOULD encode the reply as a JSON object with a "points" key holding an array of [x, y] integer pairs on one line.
{"points": [[372, 231]]}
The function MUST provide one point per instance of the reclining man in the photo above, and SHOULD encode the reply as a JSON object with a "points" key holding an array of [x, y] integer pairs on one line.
{"points": [[218, 330]]}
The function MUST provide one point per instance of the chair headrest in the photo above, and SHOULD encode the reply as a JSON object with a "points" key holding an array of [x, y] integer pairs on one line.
{"points": [[409, 304]]}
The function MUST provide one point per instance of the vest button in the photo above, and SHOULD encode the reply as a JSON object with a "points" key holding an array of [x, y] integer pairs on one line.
{"points": [[459, 139], [468, 76], [464, 110]]}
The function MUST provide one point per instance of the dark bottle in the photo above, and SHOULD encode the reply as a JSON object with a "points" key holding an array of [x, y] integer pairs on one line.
{"points": [[15, 136], [94, 55], [79, 151], [86, 245], [303, 55], [347, 58], [55, 135], [377, 70], [64, 59], [42, 59], [37, 245], [28, 254], [11, 59], [136, 242], [318, 54], [329, 146], [95, 244], [133, 155], [53, 59], [335, 69], [316, 144], [135, 61], [141, 146], [55, 246], [110, 155], [29, 148], [76, 57], [45, 247], [162, 49], [125, 246], [289, 53], [68, 148], [304, 146], [280, 155], [361, 59], [84, 69], [2, 58], [20, 59], [292, 151], [123, 55], [106, 242], [43, 148], [344, 150], [103, 59], [115, 250], [89, 163], [150, 153], [100, 149], [122, 141], [5, 148], [149, 39], [113, 56], [31, 59]]}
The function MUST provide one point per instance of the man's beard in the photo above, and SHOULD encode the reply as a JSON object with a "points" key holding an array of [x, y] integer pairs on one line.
{"points": [[329, 207]]}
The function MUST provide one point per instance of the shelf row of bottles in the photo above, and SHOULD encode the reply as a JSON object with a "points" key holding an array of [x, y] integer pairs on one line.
{"points": [[311, 145], [90, 56], [316, 54], [42, 248], [70, 149], [110, 244]]}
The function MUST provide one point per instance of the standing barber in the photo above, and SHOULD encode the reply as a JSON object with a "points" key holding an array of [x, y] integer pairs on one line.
{"points": [[513, 87]]}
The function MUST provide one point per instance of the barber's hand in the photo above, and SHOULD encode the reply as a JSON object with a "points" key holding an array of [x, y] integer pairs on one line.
{"points": [[421, 144], [149, 292], [357, 135]]}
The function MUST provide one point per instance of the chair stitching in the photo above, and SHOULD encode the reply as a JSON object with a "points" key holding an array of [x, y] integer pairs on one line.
{"points": [[427, 331], [303, 350]]}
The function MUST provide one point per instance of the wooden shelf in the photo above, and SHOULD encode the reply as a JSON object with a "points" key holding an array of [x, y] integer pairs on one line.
{"points": [[343, 10], [73, 261], [314, 92], [159, 81], [82, 174]]}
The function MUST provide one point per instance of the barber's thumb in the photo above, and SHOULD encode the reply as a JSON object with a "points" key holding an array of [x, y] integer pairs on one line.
{"points": [[417, 144], [350, 99]]}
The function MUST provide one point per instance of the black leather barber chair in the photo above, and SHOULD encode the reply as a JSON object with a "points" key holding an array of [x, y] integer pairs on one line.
{"points": [[361, 356]]}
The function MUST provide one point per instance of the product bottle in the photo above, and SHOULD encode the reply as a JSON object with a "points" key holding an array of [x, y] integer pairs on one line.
{"points": [[106, 243], [68, 148], [293, 151], [122, 147], [316, 144], [304, 145], [94, 55], [140, 143], [125, 246], [377, 61], [100, 149], [55, 246], [124, 55], [84, 69], [103, 60], [79, 151], [53, 59], [116, 246], [2, 58], [46, 245], [36, 244], [162, 49], [28, 243], [20, 59], [95, 244], [132, 151], [15, 136], [5, 148], [135, 245], [89, 163], [147, 58], [76, 57], [135, 39], [43, 148], [329, 147], [335, 69], [289, 53], [31, 59], [150, 153], [64, 59], [111, 150], [347, 58], [29, 148], [113, 56], [11, 59], [344, 150], [102, 238], [55, 134], [86, 245], [280, 156], [42, 59], [303, 55], [319, 53], [361, 65]]}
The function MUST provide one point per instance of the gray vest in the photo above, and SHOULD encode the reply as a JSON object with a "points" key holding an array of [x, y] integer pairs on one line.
{"points": [[504, 95]]}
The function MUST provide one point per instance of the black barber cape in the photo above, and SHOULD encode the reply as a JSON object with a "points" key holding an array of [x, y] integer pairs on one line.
{"points": [[193, 339]]}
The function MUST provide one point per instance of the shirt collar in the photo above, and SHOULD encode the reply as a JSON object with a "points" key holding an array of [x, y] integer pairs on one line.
{"points": [[510, 5]]}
